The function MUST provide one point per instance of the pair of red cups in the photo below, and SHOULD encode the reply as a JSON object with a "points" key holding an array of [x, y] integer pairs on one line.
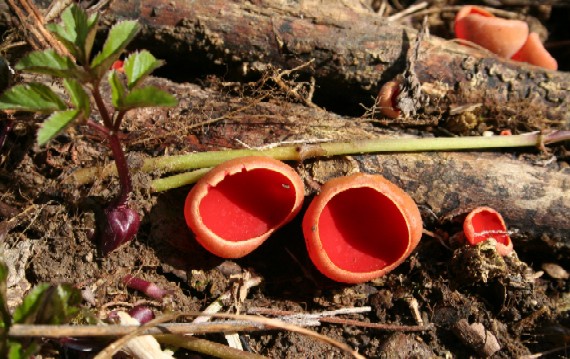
{"points": [[358, 228]]}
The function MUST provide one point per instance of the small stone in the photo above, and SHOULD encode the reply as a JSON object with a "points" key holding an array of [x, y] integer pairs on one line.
{"points": [[555, 271], [476, 337]]}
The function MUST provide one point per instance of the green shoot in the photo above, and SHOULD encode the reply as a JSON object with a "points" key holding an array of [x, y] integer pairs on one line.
{"points": [[82, 78]]}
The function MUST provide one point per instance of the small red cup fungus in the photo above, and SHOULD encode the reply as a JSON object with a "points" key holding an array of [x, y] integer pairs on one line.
{"points": [[237, 205], [386, 100], [360, 227], [534, 53], [506, 38], [484, 223], [501, 36]]}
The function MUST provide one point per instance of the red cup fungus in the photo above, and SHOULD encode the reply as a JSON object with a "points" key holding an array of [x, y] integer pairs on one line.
{"points": [[534, 53], [237, 205], [501, 36], [484, 223], [360, 227], [387, 97], [507, 38]]}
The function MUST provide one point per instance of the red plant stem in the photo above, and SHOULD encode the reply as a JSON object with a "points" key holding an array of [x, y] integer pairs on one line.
{"points": [[104, 130], [122, 168], [118, 120], [115, 144], [101, 106], [6, 131]]}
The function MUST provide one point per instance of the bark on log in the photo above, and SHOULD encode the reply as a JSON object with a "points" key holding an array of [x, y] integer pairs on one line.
{"points": [[354, 53]]}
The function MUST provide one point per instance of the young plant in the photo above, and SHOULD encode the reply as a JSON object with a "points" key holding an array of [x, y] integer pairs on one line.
{"points": [[82, 76], [44, 304]]}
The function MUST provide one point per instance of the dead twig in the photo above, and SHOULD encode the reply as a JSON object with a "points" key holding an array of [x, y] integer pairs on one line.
{"points": [[41, 38], [325, 317], [293, 91]]}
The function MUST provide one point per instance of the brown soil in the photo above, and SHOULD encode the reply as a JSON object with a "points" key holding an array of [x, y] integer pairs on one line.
{"points": [[48, 231]]}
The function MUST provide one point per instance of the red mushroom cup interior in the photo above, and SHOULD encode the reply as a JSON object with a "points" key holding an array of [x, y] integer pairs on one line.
{"points": [[360, 227], [534, 53], [238, 204], [484, 223]]}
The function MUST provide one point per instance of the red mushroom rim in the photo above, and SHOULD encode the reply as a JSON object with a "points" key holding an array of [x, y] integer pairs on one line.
{"points": [[247, 204], [363, 230], [487, 224]]}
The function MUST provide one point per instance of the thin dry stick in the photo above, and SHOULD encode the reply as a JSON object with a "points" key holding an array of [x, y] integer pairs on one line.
{"points": [[59, 331], [408, 11], [108, 352], [32, 40], [356, 323], [207, 347], [278, 78], [44, 37], [114, 347], [379, 326]]}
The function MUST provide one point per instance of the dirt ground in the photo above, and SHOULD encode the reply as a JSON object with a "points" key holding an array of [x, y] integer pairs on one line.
{"points": [[48, 230]]}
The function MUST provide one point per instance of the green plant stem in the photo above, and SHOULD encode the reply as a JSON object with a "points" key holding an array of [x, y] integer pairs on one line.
{"points": [[298, 153], [179, 180]]}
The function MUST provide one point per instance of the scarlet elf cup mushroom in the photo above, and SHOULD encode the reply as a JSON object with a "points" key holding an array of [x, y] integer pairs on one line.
{"points": [[484, 223], [236, 206], [387, 99], [360, 227], [504, 37]]}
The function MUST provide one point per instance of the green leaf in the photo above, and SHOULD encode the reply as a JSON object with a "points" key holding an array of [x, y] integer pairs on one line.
{"points": [[4, 312], [78, 96], [26, 312], [17, 351], [55, 124], [62, 305], [76, 32], [148, 96], [48, 62], [138, 65], [46, 304], [119, 37], [117, 89], [33, 97]]}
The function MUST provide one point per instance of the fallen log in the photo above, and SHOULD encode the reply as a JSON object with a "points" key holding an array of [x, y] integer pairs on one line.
{"points": [[352, 52], [532, 196], [359, 51]]}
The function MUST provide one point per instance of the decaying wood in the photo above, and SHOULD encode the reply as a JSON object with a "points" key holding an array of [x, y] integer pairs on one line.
{"points": [[533, 197], [354, 53]]}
